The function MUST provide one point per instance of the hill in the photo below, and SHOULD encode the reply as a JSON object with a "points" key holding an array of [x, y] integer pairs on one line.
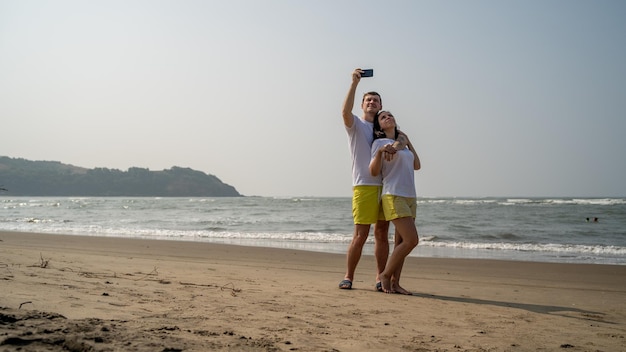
{"points": [[21, 177]]}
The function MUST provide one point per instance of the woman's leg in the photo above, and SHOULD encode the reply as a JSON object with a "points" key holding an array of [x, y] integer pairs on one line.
{"points": [[405, 228]]}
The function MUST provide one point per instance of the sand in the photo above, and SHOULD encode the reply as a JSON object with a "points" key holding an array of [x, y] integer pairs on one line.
{"points": [[76, 293]]}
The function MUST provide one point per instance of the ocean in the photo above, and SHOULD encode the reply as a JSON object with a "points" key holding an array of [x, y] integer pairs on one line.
{"points": [[564, 230]]}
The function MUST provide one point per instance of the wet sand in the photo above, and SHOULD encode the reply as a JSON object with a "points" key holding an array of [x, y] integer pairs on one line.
{"points": [[77, 293]]}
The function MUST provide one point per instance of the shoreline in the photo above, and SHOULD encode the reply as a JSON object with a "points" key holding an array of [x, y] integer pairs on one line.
{"points": [[422, 251], [542, 230], [154, 294]]}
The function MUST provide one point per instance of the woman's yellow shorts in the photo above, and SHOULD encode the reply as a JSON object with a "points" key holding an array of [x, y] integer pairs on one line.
{"points": [[395, 207], [366, 205]]}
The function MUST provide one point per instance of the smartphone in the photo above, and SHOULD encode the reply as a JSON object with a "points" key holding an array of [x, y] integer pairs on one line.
{"points": [[367, 73]]}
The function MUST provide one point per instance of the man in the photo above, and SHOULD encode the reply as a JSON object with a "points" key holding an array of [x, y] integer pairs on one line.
{"points": [[366, 188]]}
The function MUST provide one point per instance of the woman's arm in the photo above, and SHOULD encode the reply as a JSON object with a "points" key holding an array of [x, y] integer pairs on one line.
{"points": [[416, 159], [376, 164]]}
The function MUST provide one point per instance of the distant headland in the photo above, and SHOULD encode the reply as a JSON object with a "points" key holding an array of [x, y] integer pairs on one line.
{"points": [[21, 177]]}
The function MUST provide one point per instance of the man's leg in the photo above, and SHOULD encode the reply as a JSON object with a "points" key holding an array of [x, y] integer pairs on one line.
{"points": [[364, 213], [354, 251], [381, 246]]}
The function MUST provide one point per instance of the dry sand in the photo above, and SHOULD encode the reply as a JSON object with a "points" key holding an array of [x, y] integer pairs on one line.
{"points": [[74, 293]]}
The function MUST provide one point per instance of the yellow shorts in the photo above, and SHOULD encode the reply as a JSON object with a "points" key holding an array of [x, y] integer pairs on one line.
{"points": [[366, 204], [395, 207]]}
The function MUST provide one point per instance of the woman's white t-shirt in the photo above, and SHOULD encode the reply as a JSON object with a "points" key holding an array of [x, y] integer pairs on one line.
{"points": [[398, 174]]}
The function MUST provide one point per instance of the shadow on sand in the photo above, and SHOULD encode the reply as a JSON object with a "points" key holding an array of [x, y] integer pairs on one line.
{"points": [[536, 308]]}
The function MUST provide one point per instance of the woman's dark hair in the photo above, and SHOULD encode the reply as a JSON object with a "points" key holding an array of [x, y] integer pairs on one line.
{"points": [[378, 132]]}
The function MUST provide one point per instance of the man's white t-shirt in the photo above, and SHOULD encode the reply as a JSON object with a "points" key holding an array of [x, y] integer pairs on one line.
{"points": [[398, 174], [360, 137]]}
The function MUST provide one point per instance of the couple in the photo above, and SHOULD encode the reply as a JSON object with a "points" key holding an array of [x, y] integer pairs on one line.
{"points": [[383, 161]]}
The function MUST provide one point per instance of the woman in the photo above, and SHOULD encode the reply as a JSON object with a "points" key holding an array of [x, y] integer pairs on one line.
{"points": [[398, 196]]}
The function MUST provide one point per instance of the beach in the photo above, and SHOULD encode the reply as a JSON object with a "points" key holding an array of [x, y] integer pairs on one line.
{"points": [[83, 293]]}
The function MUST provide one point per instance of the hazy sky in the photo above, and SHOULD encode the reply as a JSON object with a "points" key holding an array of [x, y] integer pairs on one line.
{"points": [[500, 98]]}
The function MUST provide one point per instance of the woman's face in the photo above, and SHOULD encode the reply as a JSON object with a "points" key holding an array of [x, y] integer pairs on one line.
{"points": [[386, 120]]}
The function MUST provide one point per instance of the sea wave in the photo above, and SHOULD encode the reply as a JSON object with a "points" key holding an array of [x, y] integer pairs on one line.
{"points": [[312, 237], [490, 227], [523, 201], [534, 247]]}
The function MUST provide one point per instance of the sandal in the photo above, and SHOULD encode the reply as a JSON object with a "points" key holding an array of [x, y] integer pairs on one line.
{"points": [[345, 284]]}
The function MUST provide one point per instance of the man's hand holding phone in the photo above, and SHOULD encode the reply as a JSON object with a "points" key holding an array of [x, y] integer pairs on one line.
{"points": [[367, 72]]}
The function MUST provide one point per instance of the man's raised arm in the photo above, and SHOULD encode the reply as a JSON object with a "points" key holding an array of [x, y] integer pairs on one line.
{"points": [[348, 103]]}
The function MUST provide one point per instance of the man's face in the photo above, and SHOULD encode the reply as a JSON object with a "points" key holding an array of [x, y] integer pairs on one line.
{"points": [[371, 104]]}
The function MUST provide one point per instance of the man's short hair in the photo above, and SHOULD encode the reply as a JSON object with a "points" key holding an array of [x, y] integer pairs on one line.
{"points": [[372, 93]]}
